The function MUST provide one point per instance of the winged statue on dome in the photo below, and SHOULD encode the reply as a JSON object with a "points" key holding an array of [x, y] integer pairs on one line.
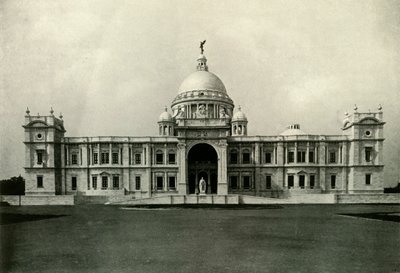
{"points": [[202, 46]]}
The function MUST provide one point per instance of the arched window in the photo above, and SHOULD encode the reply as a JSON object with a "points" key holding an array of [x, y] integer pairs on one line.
{"points": [[171, 157], [159, 157], [233, 158], [246, 156]]}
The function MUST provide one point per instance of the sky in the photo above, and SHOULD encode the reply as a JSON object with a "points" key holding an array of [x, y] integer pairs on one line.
{"points": [[111, 67]]}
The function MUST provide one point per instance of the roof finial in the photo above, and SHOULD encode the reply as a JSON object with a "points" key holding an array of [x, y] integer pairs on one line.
{"points": [[51, 111], [355, 108], [239, 108], [380, 107], [202, 46], [166, 108], [27, 111], [61, 116]]}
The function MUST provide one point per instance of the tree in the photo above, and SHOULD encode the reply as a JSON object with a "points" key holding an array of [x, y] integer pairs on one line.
{"points": [[13, 186]]}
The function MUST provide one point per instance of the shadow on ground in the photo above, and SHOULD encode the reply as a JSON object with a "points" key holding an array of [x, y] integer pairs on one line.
{"points": [[12, 218], [383, 216]]}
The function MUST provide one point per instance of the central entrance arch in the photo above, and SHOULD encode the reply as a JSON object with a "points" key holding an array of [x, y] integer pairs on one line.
{"points": [[202, 163]]}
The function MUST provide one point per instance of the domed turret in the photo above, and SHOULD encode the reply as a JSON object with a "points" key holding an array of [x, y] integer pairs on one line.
{"points": [[166, 124], [239, 115], [239, 123], [165, 116]]}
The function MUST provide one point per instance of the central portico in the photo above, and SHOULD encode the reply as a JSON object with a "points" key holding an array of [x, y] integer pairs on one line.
{"points": [[202, 113]]}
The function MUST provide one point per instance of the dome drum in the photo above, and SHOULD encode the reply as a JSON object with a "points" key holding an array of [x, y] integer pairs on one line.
{"points": [[203, 109]]}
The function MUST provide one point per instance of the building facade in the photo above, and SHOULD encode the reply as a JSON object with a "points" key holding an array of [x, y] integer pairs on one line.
{"points": [[204, 138]]}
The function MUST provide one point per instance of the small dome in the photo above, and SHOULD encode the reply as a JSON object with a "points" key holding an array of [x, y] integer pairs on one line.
{"points": [[165, 116], [293, 130], [202, 80], [239, 115]]}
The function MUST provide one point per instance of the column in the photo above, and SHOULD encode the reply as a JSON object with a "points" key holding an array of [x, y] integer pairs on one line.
{"points": [[125, 164], [295, 152], [67, 151], [182, 171], [165, 154], [286, 153], [308, 152], [165, 181], [222, 170], [257, 153], [98, 154], [110, 153]]}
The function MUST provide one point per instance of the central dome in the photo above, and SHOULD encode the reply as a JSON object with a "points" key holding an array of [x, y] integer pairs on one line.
{"points": [[202, 80]]}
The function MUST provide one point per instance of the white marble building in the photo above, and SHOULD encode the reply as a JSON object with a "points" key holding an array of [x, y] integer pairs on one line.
{"points": [[204, 137]]}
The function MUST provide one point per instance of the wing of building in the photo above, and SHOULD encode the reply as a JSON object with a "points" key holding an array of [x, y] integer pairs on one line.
{"points": [[205, 140]]}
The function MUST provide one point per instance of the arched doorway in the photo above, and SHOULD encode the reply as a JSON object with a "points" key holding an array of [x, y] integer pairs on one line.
{"points": [[202, 163]]}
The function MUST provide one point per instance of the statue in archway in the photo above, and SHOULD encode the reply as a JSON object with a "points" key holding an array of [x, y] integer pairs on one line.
{"points": [[202, 186], [201, 111], [222, 113]]}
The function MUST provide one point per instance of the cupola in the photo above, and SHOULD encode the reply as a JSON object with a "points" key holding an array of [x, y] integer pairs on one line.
{"points": [[166, 124], [239, 123]]}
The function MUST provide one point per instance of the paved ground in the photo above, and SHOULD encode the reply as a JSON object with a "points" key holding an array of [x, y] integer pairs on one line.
{"points": [[307, 238]]}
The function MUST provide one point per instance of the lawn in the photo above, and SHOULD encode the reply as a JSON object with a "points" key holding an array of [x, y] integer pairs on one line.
{"points": [[292, 238]]}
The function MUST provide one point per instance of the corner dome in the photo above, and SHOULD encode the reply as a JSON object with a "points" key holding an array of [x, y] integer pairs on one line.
{"points": [[165, 116], [239, 116], [293, 130], [202, 80]]}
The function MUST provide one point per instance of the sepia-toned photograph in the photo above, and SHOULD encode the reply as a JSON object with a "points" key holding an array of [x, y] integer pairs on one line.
{"points": [[200, 136]]}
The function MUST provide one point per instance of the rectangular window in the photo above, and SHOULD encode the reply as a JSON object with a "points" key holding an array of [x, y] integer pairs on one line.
{"points": [[116, 182], [290, 181], [171, 158], [74, 158], [312, 181], [368, 154], [159, 158], [114, 158], [333, 181], [95, 158], [138, 159], [290, 157], [233, 158], [105, 158], [137, 183], [246, 158], [246, 182], [73, 183], [268, 157], [311, 157], [171, 183], [39, 181], [104, 182], [94, 182], [301, 156], [268, 182], [302, 179], [368, 179], [332, 157], [234, 182], [160, 183], [39, 155]]}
